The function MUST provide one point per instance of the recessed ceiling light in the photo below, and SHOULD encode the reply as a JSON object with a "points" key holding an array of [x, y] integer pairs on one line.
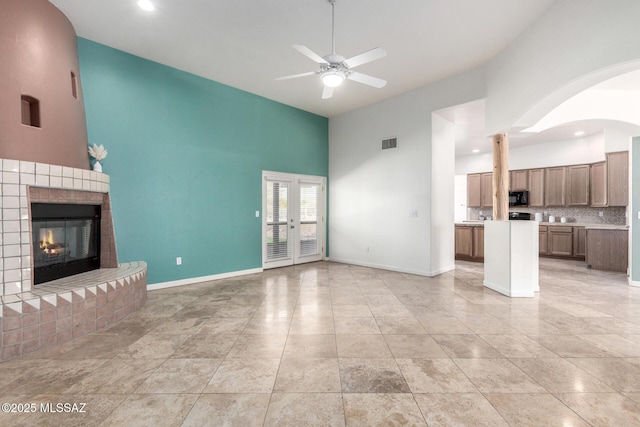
{"points": [[579, 133], [146, 5], [475, 151]]}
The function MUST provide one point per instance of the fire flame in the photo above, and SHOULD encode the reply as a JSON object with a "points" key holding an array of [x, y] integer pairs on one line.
{"points": [[48, 245]]}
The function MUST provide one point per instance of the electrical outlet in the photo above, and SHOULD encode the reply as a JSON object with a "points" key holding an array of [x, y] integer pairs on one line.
{"points": [[179, 260], [368, 246], [257, 214], [601, 214]]}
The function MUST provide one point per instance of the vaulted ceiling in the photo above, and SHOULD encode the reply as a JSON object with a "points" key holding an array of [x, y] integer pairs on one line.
{"points": [[246, 44]]}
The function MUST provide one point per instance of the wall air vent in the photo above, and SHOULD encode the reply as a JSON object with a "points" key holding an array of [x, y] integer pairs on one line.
{"points": [[389, 143]]}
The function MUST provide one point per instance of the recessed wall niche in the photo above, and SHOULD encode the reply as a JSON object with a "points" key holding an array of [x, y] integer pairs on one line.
{"points": [[74, 85], [30, 111]]}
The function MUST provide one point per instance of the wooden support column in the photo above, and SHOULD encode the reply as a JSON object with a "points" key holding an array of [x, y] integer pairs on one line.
{"points": [[500, 177]]}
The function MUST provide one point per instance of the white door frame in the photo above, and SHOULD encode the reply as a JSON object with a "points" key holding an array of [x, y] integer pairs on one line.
{"points": [[294, 214]]}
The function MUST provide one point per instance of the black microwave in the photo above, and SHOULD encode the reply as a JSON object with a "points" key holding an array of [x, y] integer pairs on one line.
{"points": [[518, 198]]}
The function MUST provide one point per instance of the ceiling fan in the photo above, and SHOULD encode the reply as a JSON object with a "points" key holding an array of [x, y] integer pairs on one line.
{"points": [[334, 69]]}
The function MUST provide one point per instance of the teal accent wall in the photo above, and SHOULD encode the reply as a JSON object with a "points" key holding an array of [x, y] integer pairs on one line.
{"points": [[186, 156], [635, 208]]}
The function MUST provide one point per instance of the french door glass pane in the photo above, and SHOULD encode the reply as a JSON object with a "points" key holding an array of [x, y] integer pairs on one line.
{"points": [[309, 218], [278, 220]]}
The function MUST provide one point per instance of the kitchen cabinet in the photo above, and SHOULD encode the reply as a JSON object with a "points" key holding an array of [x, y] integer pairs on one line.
{"points": [[519, 180], [543, 238], [618, 178], [469, 241], [555, 180], [480, 190], [478, 242], [577, 188], [579, 242], [474, 187], [608, 249], [486, 193], [598, 184], [560, 241], [536, 188]]}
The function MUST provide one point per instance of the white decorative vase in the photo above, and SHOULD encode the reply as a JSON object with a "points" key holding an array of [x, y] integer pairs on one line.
{"points": [[97, 166]]}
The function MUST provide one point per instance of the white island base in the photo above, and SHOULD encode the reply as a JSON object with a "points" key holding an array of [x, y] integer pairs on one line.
{"points": [[511, 257]]}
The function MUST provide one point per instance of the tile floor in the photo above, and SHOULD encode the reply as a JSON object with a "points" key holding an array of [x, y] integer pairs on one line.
{"points": [[329, 344]]}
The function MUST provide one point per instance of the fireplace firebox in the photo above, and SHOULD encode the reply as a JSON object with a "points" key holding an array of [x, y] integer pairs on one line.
{"points": [[66, 240]]}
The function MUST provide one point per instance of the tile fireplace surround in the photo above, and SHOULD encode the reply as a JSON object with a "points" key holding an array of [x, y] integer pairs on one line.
{"points": [[33, 318]]}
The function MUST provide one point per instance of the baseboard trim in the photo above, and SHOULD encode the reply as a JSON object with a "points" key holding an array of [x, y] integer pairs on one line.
{"points": [[390, 267], [508, 292], [193, 280], [634, 283]]}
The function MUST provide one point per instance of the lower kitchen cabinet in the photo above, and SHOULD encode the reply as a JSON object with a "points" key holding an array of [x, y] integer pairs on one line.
{"points": [[608, 249], [469, 243], [560, 241]]}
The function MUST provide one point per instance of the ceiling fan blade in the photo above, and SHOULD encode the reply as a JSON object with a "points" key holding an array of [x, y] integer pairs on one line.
{"points": [[327, 92], [363, 58], [367, 80], [295, 76], [310, 54]]}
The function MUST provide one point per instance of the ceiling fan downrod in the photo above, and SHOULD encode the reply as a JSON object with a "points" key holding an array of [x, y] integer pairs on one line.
{"points": [[333, 26]]}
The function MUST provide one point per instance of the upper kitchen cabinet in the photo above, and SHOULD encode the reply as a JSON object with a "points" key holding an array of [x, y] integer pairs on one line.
{"points": [[577, 185], [598, 184], [536, 187], [486, 194], [480, 190], [618, 178], [555, 181], [474, 185], [519, 180]]}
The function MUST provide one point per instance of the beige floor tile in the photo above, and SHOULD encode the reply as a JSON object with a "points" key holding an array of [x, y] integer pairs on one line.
{"points": [[156, 410], [466, 346], [557, 375], [204, 346], [255, 346], [269, 326], [516, 345], [356, 326], [540, 410], [459, 409], [570, 346], [224, 325], [371, 376], [414, 346], [244, 376], [153, 346], [372, 346], [399, 325], [616, 345], [382, 409], [497, 376], [179, 326], [434, 376], [180, 376], [311, 346], [117, 376], [305, 410], [351, 310], [604, 409], [444, 325], [621, 374], [57, 377], [312, 326], [242, 410], [304, 375]]}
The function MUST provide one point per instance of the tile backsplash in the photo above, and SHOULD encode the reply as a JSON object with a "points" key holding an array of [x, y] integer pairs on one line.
{"points": [[584, 215]]}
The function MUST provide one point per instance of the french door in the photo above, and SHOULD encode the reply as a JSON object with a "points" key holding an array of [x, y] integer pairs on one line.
{"points": [[293, 219]]}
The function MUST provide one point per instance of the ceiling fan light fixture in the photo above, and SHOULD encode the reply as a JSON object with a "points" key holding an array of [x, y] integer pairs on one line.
{"points": [[333, 78]]}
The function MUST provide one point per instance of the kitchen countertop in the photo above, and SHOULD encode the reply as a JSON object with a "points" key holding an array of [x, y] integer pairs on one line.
{"points": [[478, 223]]}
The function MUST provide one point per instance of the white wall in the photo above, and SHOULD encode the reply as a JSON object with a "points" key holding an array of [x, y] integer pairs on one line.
{"points": [[374, 193], [460, 198], [549, 61], [443, 150], [558, 153]]}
